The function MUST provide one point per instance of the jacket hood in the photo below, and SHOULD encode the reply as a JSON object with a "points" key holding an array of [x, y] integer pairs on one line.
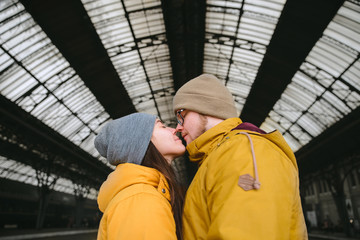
{"points": [[277, 138], [128, 174], [201, 146]]}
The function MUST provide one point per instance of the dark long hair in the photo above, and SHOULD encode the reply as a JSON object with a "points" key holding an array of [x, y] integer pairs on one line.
{"points": [[154, 159]]}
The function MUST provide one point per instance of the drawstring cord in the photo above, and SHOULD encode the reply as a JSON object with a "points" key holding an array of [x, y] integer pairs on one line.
{"points": [[256, 182]]}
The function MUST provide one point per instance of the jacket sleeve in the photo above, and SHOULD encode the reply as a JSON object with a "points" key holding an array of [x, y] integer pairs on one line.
{"points": [[141, 216], [267, 213]]}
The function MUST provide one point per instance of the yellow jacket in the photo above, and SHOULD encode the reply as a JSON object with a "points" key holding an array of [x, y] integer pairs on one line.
{"points": [[216, 207], [135, 202]]}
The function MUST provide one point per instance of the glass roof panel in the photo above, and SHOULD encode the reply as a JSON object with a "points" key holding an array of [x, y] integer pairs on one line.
{"points": [[35, 76], [141, 4], [136, 33], [327, 82], [236, 36]]}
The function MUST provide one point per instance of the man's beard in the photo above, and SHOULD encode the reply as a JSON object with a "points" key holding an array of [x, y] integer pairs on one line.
{"points": [[203, 123]]}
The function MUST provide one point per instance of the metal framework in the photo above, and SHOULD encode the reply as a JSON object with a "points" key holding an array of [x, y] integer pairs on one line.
{"points": [[69, 66]]}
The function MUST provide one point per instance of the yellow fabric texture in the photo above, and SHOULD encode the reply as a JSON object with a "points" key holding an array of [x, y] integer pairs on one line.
{"points": [[135, 204], [217, 208]]}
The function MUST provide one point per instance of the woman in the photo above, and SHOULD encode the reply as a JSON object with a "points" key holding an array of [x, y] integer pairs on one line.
{"points": [[140, 198]]}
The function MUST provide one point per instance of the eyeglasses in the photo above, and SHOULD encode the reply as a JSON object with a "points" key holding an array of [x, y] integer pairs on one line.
{"points": [[179, 117]]}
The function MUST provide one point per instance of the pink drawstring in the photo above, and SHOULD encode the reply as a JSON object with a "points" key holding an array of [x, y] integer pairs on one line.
{"points": [[256, 182]]}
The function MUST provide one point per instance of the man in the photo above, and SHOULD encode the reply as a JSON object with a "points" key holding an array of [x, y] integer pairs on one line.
{"points": [[247, 184]]}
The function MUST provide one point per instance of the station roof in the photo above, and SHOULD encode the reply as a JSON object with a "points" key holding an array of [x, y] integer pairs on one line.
{"points": [[68, 66]]}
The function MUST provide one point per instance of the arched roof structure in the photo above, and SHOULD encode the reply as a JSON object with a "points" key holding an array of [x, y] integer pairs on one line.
{"points": [[68, 66]]}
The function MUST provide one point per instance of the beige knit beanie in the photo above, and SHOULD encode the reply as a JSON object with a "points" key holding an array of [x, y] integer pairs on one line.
{"points": [[207, 95]]}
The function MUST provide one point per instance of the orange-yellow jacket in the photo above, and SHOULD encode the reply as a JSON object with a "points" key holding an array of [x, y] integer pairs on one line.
{"points": [[216, 207], [135, 202]]}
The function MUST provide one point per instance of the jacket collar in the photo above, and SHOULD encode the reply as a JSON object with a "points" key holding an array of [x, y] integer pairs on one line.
{"points": [[128, 174], [199, 148]]}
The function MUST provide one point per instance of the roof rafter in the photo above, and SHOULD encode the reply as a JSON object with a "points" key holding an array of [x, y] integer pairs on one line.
{"points": [[300, 26], [68, 26], [185, 31], [28, 140]]}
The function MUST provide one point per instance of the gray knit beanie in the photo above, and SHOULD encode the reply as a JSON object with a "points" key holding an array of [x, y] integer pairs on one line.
{"points": [[207, 95], [126, 139]]}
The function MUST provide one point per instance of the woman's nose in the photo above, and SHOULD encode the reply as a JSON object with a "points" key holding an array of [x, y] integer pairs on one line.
{"points": [[173, 131]]}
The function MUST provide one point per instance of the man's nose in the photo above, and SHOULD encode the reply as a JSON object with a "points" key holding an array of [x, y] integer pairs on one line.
{"points": [[179, 128]]}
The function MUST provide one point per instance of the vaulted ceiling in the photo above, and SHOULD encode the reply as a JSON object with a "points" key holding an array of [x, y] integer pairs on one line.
{"points": [[69, 66]]}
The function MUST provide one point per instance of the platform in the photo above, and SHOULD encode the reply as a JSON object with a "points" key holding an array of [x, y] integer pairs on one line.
{"points": [[90, 234]]}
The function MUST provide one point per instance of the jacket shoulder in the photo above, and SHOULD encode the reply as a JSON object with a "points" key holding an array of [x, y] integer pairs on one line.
{"points": [[140, 190], [141, 204]]}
